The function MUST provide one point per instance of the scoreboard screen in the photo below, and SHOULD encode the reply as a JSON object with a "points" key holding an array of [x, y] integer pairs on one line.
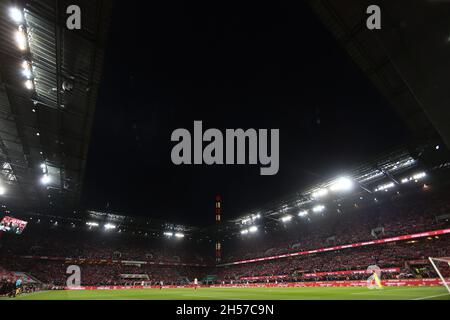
{"points": [[12, 225]]}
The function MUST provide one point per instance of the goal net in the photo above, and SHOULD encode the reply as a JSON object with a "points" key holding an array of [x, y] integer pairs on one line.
{"points": [[442, 268]]}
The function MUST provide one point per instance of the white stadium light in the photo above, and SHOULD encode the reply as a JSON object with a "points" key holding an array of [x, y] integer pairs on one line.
{"points": [[342, 184], [179, 235], [16, 14], [45, 179], [92, 224], [246, 220], [27, 73], [415, 177], [320, 193], [168, 234], [2, 190], [253, 229], [419, 176], [318, 208], [109, 226], [245, 231], [385, 187], [303, 213], [286, 218], [21, 39], [29, 84]]}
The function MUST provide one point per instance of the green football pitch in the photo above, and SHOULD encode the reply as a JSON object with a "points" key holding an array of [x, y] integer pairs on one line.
{"points": [[310, 293]]}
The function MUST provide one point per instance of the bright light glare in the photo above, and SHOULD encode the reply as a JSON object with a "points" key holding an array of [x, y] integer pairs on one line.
{"points": [[245, 231], [2, 190], [45, 179], [26, 70], [21, 39], [385, 186], [419, 175], [16, 15], [92, 224], [318, 208], [253, 229], [303, 213], [342, 184], [179, 235], [286, 218], [109, 226], [29, 85], [168, 234], [320, 193]]}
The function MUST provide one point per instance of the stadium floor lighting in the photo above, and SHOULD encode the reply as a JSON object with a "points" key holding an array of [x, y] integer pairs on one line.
{"points": [[16, 15]]}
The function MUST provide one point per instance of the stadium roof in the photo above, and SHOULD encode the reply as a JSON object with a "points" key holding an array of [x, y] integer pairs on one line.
{"points": [[49, 79], [406, 60]]}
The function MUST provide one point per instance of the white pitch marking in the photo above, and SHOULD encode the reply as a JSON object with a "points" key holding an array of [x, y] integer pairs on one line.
{"points": [[429, 297]]}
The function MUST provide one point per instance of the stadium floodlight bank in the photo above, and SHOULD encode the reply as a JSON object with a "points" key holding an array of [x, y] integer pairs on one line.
{"points": [[435, 266]]}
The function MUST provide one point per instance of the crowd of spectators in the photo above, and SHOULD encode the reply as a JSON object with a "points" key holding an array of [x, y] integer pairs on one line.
{"points": [[400, 215], [410, 257], [107, 258]]}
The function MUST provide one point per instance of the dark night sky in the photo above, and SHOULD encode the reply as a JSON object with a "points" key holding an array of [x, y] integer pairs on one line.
{"points": [[268, 65]]}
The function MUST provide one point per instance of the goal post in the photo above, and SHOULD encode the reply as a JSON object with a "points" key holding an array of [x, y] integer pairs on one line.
{"points": [[434, 262]]}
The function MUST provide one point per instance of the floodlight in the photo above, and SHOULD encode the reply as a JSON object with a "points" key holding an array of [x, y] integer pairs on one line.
{"points": [[16, 14], [45, 179], [342, 184], [29, 84], [179, 235], [318, 208], [21, 38], [286, 218], [27, 72], [303, 213], [168, 234], [419, 175], [92, 224], [2, 190], [109, 226], [245, 231], [320, 193], [253, 229], [385, 186]]}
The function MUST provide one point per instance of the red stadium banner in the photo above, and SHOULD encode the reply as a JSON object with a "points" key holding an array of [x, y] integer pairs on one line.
{"points": [[346, 246], [333, 273], [266, 277]]}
